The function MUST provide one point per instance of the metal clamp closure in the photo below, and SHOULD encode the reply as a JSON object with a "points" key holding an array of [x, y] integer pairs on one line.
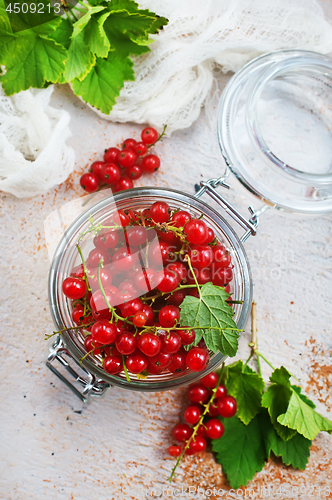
{"points": [[250, 225], [91, 385]]}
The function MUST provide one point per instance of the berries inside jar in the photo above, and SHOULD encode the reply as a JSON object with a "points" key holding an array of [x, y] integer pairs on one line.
{"points": [[127, 294]]}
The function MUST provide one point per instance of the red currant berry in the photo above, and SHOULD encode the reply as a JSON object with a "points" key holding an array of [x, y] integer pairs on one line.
{"points": [[113, 364], [181, 218], [214, 429], [95, 256], [123, 183], [126, 158], [192, 415], [210, 380], [104, 332], [210, 236], [124, 259], [89, 182], [162, 360], [149, 312], [139, 319], [219, 251], [145, 280], [97, 301], [92, 345], [96, 168], [110, 173], [149, 135], [169, 236], [160, 250], [175, 451], [197, 393], [197, 445], [129, 144], [135, 172], [160, 211], [78, 271], [227, 406], [220, 276], [140, 148], [77, 314], [136, 362], [171, 342], [213, 409], [107, 240], [131, 307], [74, 288], [126, 343], [187, 336], [121, 218], [149, 344], [169, 316], [196, 231], [105, 278], [167, 280], [182, 432], [136, 235], [111, 154], [179, 268], [224, 261], [197, 359], [221, 392], [178, 362], [150, 163], [177, 298], [201, 256]]}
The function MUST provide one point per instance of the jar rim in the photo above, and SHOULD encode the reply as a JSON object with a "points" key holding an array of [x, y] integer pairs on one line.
{"points": [[241, 98], [65, 243]]}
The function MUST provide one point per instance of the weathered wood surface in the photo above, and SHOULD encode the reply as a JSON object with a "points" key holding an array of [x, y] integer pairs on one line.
{"points": [[54, 447]]}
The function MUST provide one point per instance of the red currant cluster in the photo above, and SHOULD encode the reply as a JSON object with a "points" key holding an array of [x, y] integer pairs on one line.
{"points": [[128, 293], [121, 166], [208, 400]]}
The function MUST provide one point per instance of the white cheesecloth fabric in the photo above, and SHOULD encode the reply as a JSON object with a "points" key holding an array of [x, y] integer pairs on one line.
{"points": [[34, 155], [174, 80]]}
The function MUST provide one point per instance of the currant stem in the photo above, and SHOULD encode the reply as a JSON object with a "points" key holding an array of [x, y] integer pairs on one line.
{"points": [[195, 429], [160, 136], [192, 272], [254, 336], [67, 330], [125, 369]]}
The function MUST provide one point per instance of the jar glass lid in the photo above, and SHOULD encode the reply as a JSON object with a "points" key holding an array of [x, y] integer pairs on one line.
{"points": [[275, 129]]}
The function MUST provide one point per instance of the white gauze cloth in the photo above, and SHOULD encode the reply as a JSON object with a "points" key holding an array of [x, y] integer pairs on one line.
{"points": [[174, 80], [34, 155]]}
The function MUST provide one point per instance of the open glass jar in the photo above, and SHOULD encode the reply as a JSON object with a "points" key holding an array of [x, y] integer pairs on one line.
{"points": [[257, 92]]}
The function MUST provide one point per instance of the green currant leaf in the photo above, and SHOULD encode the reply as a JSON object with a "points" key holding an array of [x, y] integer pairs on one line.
{"points": [[83, 21], [80, 59], [301, 417], [247, 387], [212, 312], [294, 452], [31, 60], [95, 36], [62, 33], [103, 83], [276, 400], [23, 19], [241, 450], [304, 398]]}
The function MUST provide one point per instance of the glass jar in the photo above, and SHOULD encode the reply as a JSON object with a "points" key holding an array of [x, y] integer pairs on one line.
{"points": [[94, 379], [251, 117]]}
